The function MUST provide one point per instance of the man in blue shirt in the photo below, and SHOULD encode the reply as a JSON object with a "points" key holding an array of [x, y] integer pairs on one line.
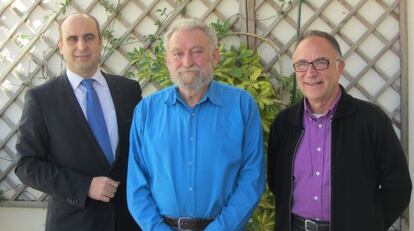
{"points": [[196, 153]]}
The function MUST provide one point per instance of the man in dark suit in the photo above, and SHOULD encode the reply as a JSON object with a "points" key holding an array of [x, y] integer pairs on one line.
{"points": [[60, 151]]}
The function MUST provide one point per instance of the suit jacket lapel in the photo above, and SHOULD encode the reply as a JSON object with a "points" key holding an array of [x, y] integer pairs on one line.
{"points": [[80, 120]]}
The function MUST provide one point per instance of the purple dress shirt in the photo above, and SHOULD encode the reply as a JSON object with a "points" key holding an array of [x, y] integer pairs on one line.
{"points": [[312, 166]]}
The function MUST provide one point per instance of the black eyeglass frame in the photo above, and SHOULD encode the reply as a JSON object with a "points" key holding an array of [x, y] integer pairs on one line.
{"points": [[328, 62]]}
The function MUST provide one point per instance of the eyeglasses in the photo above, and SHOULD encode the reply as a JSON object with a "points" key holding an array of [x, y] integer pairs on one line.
{"points": [[317, 64]]}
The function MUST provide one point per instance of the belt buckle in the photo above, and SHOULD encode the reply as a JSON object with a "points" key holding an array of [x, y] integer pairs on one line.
{"points": [[182, 220], [311, 224]]}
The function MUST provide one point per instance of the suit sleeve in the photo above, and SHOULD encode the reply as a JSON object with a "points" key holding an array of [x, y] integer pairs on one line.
{"points": [[394, 178], [35, 166]]}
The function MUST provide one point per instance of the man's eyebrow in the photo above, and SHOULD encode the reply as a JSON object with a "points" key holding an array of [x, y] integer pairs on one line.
{"points": [[197, 47], [89, 34], [300, 60], [84, 35], [192, 48], [71, 37], [305, 60], [175, 50]]}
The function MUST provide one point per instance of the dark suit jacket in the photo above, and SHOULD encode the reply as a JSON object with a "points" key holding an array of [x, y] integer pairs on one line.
{"points": [[59, 155]]}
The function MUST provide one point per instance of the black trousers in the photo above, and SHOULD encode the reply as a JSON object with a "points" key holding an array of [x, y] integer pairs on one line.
{"points": [[295, 227]]}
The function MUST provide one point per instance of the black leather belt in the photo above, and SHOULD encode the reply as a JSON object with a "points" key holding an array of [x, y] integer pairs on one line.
{"points": [[187, 223], [310, 225]]}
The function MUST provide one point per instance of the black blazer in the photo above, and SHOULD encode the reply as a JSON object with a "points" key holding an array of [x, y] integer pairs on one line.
{"points": [[59, 155]]}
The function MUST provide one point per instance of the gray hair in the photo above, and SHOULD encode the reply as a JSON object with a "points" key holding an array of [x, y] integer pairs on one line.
{"points": [[190, 24], [329, 38]]}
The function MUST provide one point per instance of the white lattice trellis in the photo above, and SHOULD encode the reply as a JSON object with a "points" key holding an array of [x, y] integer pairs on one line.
{"points": [[368, 31]]}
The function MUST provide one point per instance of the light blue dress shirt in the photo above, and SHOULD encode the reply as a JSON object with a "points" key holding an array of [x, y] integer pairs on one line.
{"points": [[200, 162], [104, 95]]}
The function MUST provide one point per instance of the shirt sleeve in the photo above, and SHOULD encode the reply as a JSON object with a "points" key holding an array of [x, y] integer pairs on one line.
{"points": [[251, 182], [140, 202]]}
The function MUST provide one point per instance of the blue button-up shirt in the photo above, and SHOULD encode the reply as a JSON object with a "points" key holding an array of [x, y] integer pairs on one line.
{"points": [[200, 162]]}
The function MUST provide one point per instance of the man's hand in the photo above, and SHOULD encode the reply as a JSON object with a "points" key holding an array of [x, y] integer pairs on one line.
{"points": [[102, 188]]}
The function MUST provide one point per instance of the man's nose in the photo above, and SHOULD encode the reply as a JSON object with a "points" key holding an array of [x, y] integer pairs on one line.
{"points": [[188, 60], [81, 45], [311, 70]]}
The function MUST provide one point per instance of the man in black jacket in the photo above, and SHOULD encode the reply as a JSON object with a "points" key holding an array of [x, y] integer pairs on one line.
{"points": [[61, 152], [334, 162]]}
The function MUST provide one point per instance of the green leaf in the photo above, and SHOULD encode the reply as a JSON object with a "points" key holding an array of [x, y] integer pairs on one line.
{"points": [[256, 74]]}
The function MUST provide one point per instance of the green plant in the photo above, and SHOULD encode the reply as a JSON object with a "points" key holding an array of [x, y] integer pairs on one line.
{"points": [[149, 64], [242, 68]]}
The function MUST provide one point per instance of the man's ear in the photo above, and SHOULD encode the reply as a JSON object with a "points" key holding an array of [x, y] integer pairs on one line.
{"points": [[59, 44], [216, 56], [100, 40], [341, 66], [166, 58]]}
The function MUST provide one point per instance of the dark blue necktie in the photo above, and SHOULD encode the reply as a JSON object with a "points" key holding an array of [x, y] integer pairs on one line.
{"points": [[96, 120]]}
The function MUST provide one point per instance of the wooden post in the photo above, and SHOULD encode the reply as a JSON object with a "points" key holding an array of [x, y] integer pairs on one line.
{"points": [[251, 24], [243, 20], [247, 22], [404, 94]]}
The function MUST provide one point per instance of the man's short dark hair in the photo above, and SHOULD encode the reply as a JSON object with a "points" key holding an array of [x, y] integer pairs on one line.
{"points": [[316, 33], [87, 15]]}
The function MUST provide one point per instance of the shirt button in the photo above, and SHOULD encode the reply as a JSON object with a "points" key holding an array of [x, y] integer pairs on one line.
{"points": [[318, 149], [190, 163], [319, 125], [317, 173], [193, 114], [315, 198], [190, 188], [191, 139]]}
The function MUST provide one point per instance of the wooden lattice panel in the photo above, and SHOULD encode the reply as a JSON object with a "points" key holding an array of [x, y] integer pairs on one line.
{"points": [[367, 30], [29, 55]]}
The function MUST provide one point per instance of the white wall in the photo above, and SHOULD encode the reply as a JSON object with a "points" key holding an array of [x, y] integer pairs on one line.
{"points": [[22, 219]]}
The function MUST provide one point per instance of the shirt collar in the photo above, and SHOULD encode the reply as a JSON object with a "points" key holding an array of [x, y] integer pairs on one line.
{"points": [[330, 110], [212, 95], [75, 79]]}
